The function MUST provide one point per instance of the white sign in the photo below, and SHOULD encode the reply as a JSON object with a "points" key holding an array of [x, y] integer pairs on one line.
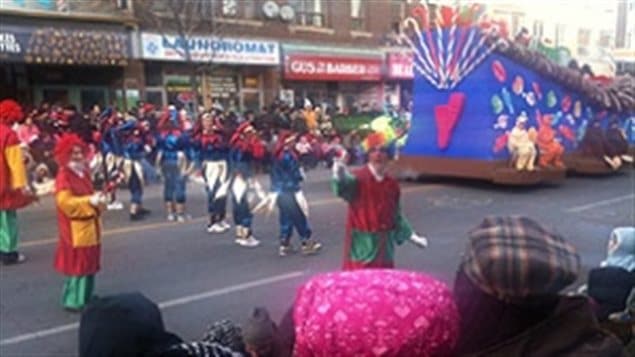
{"points": [[9, 44], [210, 49]]}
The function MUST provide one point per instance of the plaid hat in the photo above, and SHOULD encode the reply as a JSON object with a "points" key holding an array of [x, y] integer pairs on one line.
{"points": [[515, 257], [225, 333]]}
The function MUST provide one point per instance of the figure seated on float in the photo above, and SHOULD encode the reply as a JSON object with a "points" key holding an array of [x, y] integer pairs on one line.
{"points": [[617, 143], [550, 149], [595, 145], [521, 146]]}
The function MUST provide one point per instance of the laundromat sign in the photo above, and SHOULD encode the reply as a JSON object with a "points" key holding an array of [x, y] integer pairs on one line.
{"points": [[210, 49]]}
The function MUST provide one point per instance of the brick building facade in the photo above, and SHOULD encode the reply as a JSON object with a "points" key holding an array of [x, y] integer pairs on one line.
{"points": [[245, 53]]}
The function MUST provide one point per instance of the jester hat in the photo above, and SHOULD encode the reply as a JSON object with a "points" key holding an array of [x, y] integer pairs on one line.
{"points": [[284, 138], [378, 141]]}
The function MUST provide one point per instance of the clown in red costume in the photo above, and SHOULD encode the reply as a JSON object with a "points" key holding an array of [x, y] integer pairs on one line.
{"points": [[78, 219], [14, 189], [375, 223]]}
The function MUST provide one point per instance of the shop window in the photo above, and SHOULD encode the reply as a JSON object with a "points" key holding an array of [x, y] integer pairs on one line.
{"points": [[250, 82], [357, 16], [90, 97], [308, 12], [251, 101], [155, 98], [55, 96], [153, 75]]}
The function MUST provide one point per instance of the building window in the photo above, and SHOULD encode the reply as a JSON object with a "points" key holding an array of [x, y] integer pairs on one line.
{"points": [[538, 29], [357, 15], [584, 37], [308, 12], [560, 34]]}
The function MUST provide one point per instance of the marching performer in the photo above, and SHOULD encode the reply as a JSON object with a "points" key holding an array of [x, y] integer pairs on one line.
{"points": [[110, 158], [135, 143], [174, 159], [14, 188], [78, 219], [212, 152], [375, 222], [244, 148], [286, 178]]}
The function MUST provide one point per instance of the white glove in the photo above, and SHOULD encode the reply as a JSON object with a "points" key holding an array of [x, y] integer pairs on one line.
{"points": [[97, 199], [147, 148], [418, 240], [339, 168]]}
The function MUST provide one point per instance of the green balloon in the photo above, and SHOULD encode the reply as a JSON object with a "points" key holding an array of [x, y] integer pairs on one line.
{"points": [[497, 104], [552, 100]]}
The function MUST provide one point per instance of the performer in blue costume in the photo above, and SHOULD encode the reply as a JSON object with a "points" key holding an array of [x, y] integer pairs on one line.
{"points": [[286, 179], [135, 142], [111, 154], [174, 159], [245, 147], [211, 148]]}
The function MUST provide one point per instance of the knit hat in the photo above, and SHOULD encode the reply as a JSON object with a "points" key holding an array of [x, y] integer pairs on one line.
{"points": [[225, 333], [122, 325], [515, 257], [259, 331], [375, 312]]}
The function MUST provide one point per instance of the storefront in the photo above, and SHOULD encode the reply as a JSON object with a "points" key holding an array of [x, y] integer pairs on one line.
{"points": [[399, 77], [63, 63], [338, 78], [230, 72]]}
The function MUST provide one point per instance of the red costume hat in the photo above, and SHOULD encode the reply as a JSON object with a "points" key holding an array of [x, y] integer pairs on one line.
{"points": [[64, 148], [10, 112], [148, 107], [285, 137], [242, 129]]}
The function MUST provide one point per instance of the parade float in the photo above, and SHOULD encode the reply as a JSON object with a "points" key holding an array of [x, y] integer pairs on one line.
{"points": [[490, 108]]}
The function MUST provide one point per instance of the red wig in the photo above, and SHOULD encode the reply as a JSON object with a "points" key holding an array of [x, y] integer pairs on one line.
{"points": [[64, 148], [10, 112]]}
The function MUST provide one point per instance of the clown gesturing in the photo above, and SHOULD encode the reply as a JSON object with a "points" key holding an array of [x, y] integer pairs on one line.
{"points": [[375, 222]]}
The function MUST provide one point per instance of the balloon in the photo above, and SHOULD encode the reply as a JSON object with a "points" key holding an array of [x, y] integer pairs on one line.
{"points": [[507, 98], [552, 100], [499, 71], [497, 104], [518, 86]]}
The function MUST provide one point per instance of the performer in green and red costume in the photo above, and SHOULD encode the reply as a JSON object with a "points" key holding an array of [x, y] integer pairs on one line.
{"points": [[78, 219], [375, 223], [14, 188]]}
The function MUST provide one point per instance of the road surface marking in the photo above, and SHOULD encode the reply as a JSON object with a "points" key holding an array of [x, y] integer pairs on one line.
{"points": [[600, 203], [163, 305], [157, 225]]}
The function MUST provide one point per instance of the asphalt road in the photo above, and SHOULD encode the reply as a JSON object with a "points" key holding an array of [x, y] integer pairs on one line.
{"points": [[199, 278]]}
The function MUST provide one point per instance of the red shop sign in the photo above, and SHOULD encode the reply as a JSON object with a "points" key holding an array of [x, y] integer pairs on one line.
{"points": [[326, 68], [400, 66]]}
